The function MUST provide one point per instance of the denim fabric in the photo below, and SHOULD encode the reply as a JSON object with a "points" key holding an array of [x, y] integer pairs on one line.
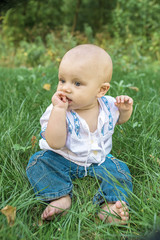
{"points": [[51, 177]]}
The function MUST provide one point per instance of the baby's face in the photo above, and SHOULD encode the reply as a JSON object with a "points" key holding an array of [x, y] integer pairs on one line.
{"points": [[79, 81], [82, 72]]}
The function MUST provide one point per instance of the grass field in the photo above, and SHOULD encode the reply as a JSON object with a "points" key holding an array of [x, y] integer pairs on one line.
{"points": [[137, 142]]}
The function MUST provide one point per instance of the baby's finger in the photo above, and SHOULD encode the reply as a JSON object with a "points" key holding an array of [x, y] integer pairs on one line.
{"points": [[64, 99], [128, 99], [117, 99], [120, 99], [61, 96], [60, 93]]}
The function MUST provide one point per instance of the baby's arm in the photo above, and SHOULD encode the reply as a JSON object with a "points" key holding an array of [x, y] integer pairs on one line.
{"points": [[125, 107], [56, 131]]}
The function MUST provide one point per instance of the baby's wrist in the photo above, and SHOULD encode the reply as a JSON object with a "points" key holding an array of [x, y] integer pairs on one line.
{"points": [[126, 110]]}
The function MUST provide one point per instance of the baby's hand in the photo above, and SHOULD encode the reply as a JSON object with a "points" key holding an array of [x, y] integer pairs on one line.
{"points": [[124, 103], [59, 100]]}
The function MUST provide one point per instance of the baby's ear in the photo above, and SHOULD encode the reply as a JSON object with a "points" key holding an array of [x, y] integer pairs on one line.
{"points": [[103, 89]]}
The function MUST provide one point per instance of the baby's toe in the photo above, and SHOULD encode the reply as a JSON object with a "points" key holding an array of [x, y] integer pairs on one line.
{"points": [[118, 205], [126, 214], [121, 206], [124, 222], [45, 214], [124, 217]]}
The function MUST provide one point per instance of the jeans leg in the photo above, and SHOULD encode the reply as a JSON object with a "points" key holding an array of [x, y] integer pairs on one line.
{"points": [[50, 175], [116, 183]]}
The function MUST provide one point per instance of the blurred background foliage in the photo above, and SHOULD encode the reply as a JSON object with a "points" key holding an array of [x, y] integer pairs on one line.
{"points": [[34, 32]]}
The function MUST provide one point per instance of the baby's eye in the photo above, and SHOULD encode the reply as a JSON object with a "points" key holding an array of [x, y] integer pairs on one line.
{"points": [[62, 81], [77, 84]]}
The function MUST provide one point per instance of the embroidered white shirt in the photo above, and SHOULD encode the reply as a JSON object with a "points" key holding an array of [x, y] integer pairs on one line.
{"points": [[83, 147]]}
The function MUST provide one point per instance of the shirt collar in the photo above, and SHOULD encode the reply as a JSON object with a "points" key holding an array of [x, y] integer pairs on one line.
{"points": [[78, 122]]}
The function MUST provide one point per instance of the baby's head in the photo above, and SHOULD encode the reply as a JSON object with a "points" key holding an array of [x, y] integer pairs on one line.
{"points": [[84, 75], [90, 58]]}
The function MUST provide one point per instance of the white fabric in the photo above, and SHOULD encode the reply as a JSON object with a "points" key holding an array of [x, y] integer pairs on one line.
{"points": [[83, 147]]}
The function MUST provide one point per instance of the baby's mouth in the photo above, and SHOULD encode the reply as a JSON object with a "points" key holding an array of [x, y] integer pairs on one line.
{"points": [[69, 100]]}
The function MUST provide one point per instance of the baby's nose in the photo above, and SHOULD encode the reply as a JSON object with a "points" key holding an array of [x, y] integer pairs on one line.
{"points": [[66, 88]]}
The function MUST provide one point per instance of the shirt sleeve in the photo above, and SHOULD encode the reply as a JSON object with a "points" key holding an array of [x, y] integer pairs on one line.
{"points": [[44, 120]]}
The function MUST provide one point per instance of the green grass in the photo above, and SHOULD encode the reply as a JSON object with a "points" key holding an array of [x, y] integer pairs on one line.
{"points": [[23, 100]]}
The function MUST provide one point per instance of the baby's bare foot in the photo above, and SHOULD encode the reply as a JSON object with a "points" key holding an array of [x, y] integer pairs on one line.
{"points": [[58, 206], [119, 211]]}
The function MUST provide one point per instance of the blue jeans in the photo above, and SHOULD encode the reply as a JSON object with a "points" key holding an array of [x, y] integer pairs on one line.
{"points": [[51, 177]]}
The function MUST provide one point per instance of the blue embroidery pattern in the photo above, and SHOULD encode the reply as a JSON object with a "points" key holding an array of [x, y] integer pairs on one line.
{"points": [[76, 123], [70, 127], [110, 126], [102, 130], [41, 133]]}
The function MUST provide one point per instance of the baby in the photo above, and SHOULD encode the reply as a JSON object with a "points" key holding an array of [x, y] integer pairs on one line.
{"points": [[76, 136]]}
